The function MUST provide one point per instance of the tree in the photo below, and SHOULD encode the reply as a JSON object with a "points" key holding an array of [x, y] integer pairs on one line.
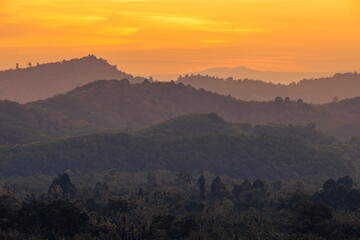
{"points": [[218, 190], [346, 181], [201, 182], [278, 99], [61, 188]]}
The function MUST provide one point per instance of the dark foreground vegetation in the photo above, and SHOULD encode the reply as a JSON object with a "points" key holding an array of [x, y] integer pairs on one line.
{"points": [[165, 205]]}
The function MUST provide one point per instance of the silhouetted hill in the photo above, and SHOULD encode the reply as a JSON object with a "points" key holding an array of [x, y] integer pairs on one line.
{"points": [[119, 104], [322, 90], [46, 80], [221, 151]]}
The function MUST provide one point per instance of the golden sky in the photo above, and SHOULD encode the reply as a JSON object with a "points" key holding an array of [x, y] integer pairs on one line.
{"points": [[176, 36]]}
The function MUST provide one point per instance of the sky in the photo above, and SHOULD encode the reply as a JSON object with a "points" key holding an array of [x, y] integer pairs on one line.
{"points": [[146, 37]]}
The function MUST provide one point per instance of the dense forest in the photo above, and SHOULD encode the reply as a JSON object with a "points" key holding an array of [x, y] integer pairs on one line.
{"points": [[41, 81], [318, 91], [180, 205]]}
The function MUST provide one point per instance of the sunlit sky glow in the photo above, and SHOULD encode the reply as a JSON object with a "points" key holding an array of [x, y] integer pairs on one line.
{"points": [[157, 36]]}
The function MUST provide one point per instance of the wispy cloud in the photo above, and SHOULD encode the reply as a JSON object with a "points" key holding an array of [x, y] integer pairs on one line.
{"points": [[198, 23], [178, 19]]}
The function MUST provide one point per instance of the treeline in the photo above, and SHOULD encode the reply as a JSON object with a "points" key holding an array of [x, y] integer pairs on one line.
{"points": [[184, 206], [319, 91], [205, 143]]}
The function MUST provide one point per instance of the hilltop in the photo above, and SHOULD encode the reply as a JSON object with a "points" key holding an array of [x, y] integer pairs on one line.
{"points": [[319, 91], [46, 80]]}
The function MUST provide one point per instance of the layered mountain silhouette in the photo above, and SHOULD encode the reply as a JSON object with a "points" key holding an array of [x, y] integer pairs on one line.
{"points": [[112, 104], [321, 90], [46, 80]]}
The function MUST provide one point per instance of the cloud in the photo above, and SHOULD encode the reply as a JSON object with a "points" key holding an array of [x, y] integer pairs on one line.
{"points": [[197, 23], [178, 19]]}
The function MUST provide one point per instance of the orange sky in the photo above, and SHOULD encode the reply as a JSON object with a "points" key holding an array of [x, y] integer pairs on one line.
{"points": [[176, 36]]}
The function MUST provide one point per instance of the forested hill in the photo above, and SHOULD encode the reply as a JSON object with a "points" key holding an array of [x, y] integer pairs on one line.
{"points": [[219, 147], [119, 104], [322, 90], [41, 81]]}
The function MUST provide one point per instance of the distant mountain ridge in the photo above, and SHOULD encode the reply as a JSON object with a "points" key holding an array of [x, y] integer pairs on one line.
{"points": [[319, 91], [46, 80], [242, 72]]}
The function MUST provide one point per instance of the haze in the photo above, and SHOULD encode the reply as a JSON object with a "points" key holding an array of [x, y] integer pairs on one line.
{"points": [[162, 37]]}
